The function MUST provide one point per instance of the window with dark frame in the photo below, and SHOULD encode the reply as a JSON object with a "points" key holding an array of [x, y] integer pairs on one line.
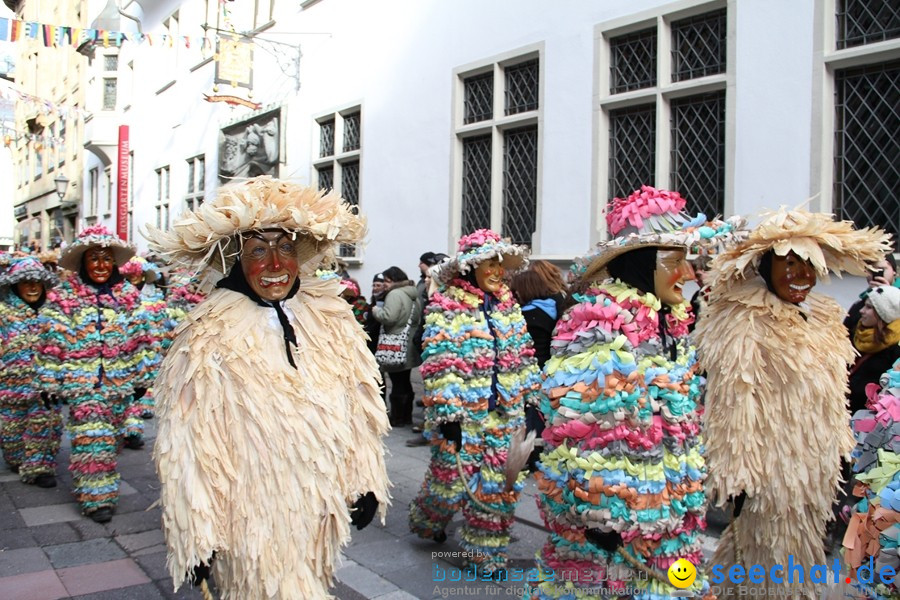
{"points": [[338, 165], [860, 22], [632, 63], [698, 151], [516, 178]]}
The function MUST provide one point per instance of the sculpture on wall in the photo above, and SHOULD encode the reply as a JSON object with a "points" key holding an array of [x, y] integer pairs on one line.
{"points": [[251, 148]]}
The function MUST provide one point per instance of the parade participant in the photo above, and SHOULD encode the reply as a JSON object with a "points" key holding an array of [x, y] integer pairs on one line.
{"points": [[621, 474], [152, 310], [97, 355], [776, 355], [270, 424], [479, 371], [875, 515], [32, 424]]}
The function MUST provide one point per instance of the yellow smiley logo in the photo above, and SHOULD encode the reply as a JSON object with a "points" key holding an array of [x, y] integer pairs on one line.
{"points": [[682, 573]]}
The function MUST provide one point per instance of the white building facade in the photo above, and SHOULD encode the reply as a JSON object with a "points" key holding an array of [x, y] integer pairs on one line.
{"points": [[437, 118]]}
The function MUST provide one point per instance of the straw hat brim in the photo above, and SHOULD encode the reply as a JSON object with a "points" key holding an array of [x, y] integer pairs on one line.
{"points": [[601, 262], [513, 261], [71, 257]]}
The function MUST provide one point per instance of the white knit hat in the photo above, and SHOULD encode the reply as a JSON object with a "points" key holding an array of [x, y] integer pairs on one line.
{"points": [[885, 299]]}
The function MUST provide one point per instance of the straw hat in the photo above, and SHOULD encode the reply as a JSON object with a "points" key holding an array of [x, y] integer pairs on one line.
{"points": [[648, 218], [97, 236], [828, 245], [476, 248], [208, 239]]}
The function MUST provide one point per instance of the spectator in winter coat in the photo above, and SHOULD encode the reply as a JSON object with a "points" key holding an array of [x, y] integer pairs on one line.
{"points": [[883, 272], [401, 310]]}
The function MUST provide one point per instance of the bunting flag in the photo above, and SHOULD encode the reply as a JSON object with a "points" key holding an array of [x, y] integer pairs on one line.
{"points": [[43, 106], [56, 36]]}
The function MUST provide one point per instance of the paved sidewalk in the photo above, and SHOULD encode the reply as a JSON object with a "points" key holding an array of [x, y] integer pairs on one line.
{"points": [[48, 550]]}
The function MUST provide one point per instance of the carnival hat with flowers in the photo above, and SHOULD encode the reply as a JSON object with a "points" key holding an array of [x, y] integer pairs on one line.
{"points": [[27, 268], [96, 236], [828, 245], [208, 239], [477, 247], [139, 264], [653, 218]]}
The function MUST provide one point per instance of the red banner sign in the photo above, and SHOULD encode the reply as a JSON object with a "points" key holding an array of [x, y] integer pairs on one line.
{"points": [[122, 187]]}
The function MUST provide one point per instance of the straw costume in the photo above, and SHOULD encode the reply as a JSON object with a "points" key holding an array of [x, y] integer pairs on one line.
{"points": [[270, 418], [479, 372], [777, 421], [621, 475], [97, 353], [32, 424]]}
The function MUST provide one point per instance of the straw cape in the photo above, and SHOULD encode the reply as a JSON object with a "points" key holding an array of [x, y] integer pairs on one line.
{"points": [[260, 460], [776, 425], [96, 236]]}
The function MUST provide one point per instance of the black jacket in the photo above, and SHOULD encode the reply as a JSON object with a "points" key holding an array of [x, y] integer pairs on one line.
{"points": [[868, 369]]}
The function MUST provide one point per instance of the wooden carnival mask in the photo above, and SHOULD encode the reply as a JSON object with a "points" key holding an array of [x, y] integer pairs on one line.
{"points": [[99, 264], [489, 275], [672, 271], [270, 263], [792, 277]]}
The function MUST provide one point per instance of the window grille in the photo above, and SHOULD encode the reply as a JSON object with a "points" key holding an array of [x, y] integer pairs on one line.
{"points": [[867, 148], [698, 46], [326, 178], [110, 85], [350, 193], [190, 189], [351, 133], [326, 138], [632, 149], [866, 21], [698, 152], [111, 62], [476, 184], [350, 184], [522, 87], [479, 98], [632, 62], [520, 184]]}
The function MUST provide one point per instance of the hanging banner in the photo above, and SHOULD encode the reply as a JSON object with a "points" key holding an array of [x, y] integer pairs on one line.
{"points": [[234, 61], [122, 187]]}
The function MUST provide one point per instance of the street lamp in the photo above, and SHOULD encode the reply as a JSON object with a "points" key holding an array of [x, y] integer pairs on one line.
{"points": [[62, 183]]}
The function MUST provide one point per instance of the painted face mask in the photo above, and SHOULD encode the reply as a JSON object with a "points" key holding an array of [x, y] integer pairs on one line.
{"points": [[30, 291], [489, 275], [136, 279], [99, 263], [672, 271], [269, 262], [792, 278]]}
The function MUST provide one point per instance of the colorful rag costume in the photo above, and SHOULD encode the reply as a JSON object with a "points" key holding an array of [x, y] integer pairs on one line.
{"points": [[154, 312], [874, 528], [95, 350], [621, 475], [777, 422], [264, 445], [31, 423], [479, 371]]}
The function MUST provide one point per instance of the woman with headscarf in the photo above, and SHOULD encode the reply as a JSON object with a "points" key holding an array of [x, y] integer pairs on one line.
{"points": [[32, 424], [621, 475], [98, 353], [776, 357], [479, 372], [270, 424]]}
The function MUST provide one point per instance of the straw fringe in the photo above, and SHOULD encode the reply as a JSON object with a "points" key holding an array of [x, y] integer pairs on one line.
{"points": [[259, 461]]}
